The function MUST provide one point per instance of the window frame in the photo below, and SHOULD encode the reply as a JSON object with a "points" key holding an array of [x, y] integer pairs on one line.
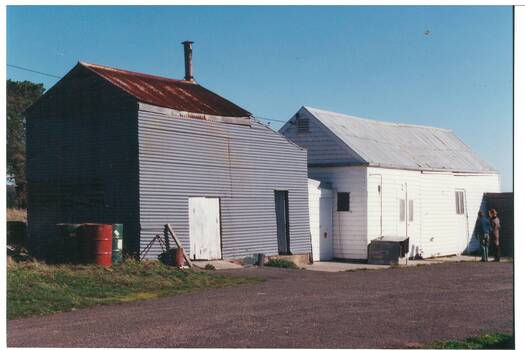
{"points": [[339, 203], [402, 210], [460, 202]]}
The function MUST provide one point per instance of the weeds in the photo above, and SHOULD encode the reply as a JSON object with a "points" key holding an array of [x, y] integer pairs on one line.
{"points": [[487, 341], [281, 263], [209, 267], [358, 269]]}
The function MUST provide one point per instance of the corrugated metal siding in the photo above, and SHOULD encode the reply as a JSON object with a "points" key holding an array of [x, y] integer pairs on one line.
{"points": [[241, 165], [81, 159], [400, 146]]}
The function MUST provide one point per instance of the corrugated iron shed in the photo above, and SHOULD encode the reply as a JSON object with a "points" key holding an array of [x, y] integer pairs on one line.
{"points": [[402, 146], [180, 95]]}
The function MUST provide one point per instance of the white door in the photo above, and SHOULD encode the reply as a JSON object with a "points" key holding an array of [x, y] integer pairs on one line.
{"points": [[205, 228], [462, 233], [325, 228], [314, 213], [375, 206]]}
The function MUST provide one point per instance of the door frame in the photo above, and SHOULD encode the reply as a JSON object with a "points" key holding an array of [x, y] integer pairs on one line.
{"points": [[328, 199], [287, 220]]}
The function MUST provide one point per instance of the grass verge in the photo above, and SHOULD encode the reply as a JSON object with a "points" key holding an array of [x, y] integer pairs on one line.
{"points": [[40, 289], [487, 341]]}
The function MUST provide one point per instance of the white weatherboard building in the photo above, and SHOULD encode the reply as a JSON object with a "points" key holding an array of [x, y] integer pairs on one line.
{"points": [[388, 179]]}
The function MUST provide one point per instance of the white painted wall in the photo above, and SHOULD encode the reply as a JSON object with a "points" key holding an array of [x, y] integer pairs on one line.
{"points": [[384, 204], [321, 228], [440, 226], [474, 186], [349, 228], [435, 229]]}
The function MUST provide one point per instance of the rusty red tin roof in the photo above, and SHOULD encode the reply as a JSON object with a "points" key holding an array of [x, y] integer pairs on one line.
{"points": [[180, 95]]}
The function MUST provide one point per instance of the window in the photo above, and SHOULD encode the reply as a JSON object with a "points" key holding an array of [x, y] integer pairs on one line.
{"points": [[303, 125], [411, 210], [343, 201], [460, 202], [402, 210]]}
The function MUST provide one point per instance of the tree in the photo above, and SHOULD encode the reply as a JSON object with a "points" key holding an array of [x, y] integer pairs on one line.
{"points": [[20, 95]]}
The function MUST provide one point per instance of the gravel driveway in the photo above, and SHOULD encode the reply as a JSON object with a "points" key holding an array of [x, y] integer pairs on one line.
{"points": [[295, 308]]}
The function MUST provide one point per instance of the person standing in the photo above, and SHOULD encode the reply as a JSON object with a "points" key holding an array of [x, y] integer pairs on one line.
{"points": [[495, 225], [483, 235]]}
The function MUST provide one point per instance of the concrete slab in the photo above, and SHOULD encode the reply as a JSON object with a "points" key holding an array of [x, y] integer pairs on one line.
{"points": [[338, 266], [219, 264]]}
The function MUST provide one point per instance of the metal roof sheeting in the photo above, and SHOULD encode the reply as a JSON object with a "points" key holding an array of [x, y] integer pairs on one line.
{"points": [[402, 146], [180, 95]]}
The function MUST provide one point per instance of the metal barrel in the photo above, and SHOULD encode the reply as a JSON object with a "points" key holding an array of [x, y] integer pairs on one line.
{"points": [[179, 257], [96, 244], [118, 237], [67, 243]]}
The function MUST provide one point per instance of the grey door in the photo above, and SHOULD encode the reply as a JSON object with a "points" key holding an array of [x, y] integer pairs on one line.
{"points": [[283, 229]]}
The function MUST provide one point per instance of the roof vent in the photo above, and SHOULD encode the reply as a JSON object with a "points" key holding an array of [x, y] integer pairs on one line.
{"points": [[188, 65], [303, 125]]}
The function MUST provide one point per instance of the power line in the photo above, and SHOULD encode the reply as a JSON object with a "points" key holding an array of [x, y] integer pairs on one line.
{"points": [[271, 120], [33, 71]]}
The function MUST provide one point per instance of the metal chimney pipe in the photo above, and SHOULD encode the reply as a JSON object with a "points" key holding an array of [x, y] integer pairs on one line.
{"points": [[188, 65]]}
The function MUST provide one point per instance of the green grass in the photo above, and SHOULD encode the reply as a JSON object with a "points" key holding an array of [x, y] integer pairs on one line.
{"points": [[281, 263], [488, 341], [40, 289]]}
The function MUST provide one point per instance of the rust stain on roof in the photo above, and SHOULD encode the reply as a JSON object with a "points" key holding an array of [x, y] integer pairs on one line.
{"points": [[180, 95]]}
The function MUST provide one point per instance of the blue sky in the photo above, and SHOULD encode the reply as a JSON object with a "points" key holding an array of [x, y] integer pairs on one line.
{"points": [[448, 67]]}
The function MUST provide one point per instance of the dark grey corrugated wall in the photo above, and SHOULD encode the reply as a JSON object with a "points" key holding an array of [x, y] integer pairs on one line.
{"points": [[243, 165], [82, 160]]}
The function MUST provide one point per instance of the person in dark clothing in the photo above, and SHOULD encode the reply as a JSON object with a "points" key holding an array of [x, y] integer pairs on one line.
{"points": [[495, 225], [483, 235]]}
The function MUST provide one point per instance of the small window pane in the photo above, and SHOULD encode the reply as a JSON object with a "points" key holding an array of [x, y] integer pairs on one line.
{"points": [[401, 210], [460, 202], [343, 201], [411, 210]]}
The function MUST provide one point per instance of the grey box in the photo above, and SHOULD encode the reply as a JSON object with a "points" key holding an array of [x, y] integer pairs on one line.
{"points": [[384, 252]]}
